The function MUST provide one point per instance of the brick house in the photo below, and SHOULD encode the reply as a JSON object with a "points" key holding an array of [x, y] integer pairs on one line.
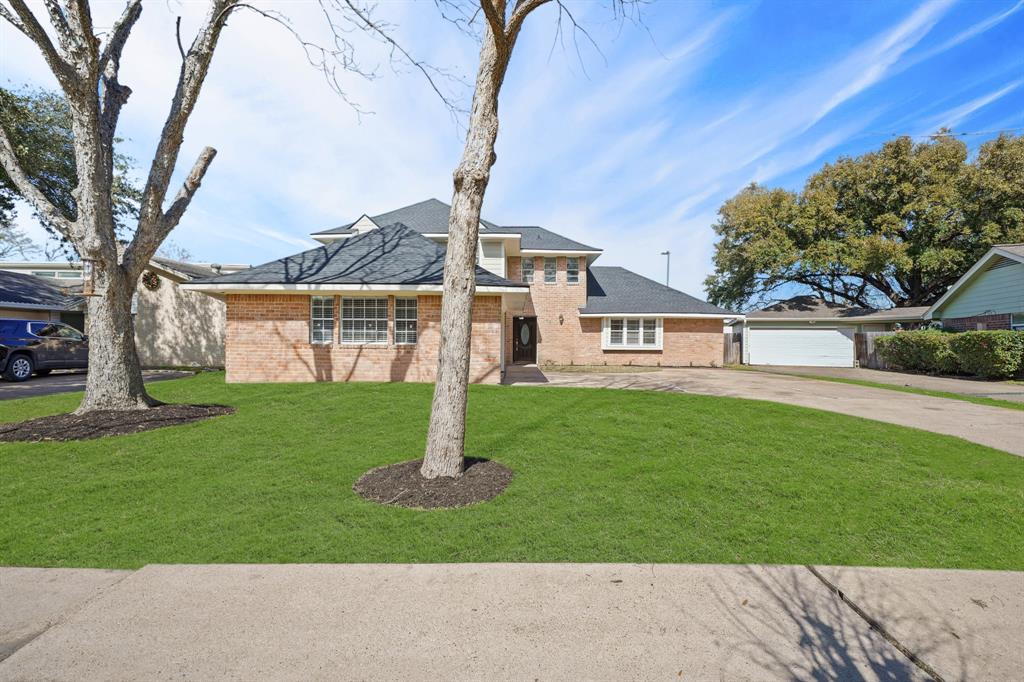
{"points": [[366, 306]]}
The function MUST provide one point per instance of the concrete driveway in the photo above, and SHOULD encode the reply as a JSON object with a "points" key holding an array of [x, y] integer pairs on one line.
{"points": [[511, 621], [996, 427], [1000, 390], [68, 381]]}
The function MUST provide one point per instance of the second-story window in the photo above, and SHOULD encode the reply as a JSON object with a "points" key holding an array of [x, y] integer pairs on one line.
{"points": [[527, 264], [572, 270], [550, 268]]}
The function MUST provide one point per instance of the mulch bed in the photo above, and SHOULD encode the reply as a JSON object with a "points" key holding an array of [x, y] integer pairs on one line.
{"points": [[102, 423], [402, 485]]}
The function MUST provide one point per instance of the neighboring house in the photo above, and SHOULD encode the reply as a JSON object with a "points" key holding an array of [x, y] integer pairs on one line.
{"points": [[989, 296], [173, 327], [29, 297], [812, 332], [366, 306]]}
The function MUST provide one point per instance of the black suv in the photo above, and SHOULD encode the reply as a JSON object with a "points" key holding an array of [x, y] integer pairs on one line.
{"points": [[34, 346]]}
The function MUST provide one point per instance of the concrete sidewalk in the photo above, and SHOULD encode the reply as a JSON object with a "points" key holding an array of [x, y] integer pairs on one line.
{"points": [[523, 621]]}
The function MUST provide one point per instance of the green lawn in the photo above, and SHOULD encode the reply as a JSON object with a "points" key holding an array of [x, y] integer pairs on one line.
{"points": [[601, 475]]}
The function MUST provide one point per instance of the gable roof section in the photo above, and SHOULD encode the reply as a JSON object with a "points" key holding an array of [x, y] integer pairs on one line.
{"points": [[188, 271], [431, 217], [425, 217], [618, 291], [1013, 252], [18, 290], [393, 255]]}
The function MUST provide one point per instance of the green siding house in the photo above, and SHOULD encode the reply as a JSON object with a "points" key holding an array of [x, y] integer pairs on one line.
{"points": [[989, 296]]}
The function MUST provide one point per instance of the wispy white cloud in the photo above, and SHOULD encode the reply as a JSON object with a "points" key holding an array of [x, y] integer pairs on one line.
{"points": [[955, 116]]}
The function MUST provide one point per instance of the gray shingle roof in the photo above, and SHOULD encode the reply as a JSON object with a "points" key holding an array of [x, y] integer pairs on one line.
{"points": [[394, 254], [425, 217], [815, 308], [617, 290], [542, 239], [431, 217], [1016, 249], [19, 289]]}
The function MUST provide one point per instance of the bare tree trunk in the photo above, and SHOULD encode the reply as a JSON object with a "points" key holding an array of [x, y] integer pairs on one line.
{"points": [[114, 381], [447, 434]]}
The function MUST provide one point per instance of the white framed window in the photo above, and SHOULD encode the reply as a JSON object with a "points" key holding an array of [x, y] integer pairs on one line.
{"points": [[550, 269], [364, 320], [321, 319], [405, 321], [527, 265], [572, 270], [632, 333]]}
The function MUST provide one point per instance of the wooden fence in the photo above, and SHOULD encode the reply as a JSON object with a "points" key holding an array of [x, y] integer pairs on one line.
{"points": [[866, 353], [733, 348]]}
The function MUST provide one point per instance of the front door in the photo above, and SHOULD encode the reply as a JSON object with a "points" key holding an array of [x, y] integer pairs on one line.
{"points": [[524, 340]]}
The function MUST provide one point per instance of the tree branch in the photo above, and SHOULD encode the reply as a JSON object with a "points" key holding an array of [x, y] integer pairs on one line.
{"points": [[119, 34], [424, 68], [494, 12], [10, 163], [30, 26], [519, 14], [190, 80], [142, 248], [114, 94]]}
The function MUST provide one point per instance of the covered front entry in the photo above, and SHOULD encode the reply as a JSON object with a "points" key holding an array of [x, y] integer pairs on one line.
{"points": [[524, 340], [807, 346]]}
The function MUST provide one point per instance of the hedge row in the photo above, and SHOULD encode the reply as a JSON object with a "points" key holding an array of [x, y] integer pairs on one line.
{"points": [[989, 354]]}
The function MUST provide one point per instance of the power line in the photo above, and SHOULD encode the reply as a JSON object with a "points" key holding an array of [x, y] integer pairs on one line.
{"points": [[946, 134]]}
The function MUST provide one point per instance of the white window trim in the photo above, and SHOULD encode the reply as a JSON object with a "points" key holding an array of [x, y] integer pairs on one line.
{"points": [[334, 321], [417, 301], [545, 266], [341, 321], [606, 333]]}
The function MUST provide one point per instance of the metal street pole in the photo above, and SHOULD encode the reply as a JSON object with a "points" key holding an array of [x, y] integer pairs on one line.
{"points": [[668, 261]]}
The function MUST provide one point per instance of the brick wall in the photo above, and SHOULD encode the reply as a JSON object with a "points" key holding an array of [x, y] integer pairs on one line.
{"points": [[970, 324], [575, 340], [267, 340], [556, 341]]}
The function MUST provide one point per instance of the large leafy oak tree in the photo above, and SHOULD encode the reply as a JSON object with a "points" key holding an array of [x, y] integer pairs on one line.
{"points": [[895, 226]]}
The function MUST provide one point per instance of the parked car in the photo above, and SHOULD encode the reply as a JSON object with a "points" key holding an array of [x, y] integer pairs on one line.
{"points": [[30, 347]]}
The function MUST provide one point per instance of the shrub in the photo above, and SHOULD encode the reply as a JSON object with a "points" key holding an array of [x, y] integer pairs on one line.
{"points": [[926, 350], [990, 354]]}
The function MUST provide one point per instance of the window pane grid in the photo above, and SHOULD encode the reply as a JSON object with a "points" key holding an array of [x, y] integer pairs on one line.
{"points": [[572, 270], [633, 332], [405, 320], [321, 319], [364, 320], [527, 264], [550, 268]]}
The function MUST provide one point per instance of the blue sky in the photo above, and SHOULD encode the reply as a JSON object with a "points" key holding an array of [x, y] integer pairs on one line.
{"points": [[632, 149]]}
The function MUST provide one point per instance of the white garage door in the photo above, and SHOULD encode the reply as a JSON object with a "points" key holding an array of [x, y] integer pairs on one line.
{"points": [[808, 347]]}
